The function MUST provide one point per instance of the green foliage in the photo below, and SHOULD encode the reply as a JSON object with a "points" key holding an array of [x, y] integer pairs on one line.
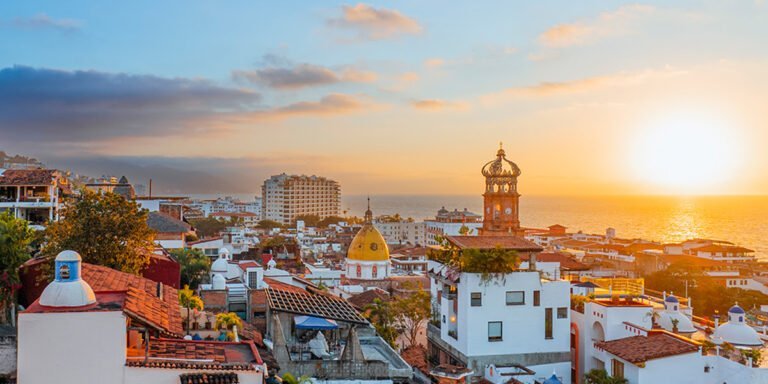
{"points": [[324, 223], [268, 224], [755, 354], [208, 226], [188, 299], [291, 379], [412, 311], [600, 376], [380, 314], [15, 240], [309, 220], [228, 321], [106, 230], [190, 237], [709, 296], [194, 265], [578, 302], [489, 263]]}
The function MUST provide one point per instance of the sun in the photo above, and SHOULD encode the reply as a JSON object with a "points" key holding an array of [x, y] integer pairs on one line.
{"points": [[685, 154]]}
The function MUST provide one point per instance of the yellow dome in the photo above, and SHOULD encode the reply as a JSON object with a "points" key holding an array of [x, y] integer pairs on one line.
{"points": [[368, 245]]}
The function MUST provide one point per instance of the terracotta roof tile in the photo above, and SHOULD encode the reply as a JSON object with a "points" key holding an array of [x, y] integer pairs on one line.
{"points": [[566, 261], [151, 310], [416, 356], [224, 354], [361, 300], [281, 286], [107, 279], [491, 242], [639, 349]]}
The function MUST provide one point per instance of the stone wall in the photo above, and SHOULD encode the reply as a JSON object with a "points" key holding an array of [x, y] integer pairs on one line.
{"points": [[7, 352], [338, 369]]}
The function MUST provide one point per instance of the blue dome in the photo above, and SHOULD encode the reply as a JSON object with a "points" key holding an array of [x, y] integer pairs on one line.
{"points": [[671, 299], [553, 380], [736, 309]]}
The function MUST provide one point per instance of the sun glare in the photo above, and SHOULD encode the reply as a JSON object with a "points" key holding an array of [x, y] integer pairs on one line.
{"points": [[686, 155]]}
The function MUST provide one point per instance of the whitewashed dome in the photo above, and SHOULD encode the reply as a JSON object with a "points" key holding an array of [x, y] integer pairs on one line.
{"points": [[67, 288], [218, 282], [736, 331], [220, 265], [672, 312]]}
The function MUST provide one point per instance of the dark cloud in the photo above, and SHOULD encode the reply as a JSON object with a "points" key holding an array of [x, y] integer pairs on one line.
{"points": [[43, 21], [76, 106], [278, 73], [175, 175]]}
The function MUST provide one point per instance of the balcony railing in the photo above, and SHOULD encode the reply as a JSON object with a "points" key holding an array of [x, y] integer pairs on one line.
{"points": [[35, 199]]}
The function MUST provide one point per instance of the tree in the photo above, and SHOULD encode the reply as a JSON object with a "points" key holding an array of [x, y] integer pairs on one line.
{"points": [[268, 224], [309, 220], [106, 229], [227, 322], [412, 311], [194, 265], [324, 223], [291, 379], [600, 376], [15, 239], [208, 227], [188, 299], [382, 317]]}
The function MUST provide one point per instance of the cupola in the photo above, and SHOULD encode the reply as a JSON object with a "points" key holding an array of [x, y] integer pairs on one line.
{"points": [[68, 289]]}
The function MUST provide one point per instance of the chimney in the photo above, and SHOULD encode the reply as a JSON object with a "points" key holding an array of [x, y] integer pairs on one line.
{"points": [[159, 290]]}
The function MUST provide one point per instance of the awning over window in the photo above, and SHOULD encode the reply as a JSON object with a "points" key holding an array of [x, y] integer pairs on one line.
{"points": [[311, 322]]}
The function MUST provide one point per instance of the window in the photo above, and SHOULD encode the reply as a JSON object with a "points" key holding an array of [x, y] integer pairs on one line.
{"points": [[548, 323], [515, 297], [617, 369], [359, 271], [494, 331], [562, 313], [536, 298], [477, 299]]}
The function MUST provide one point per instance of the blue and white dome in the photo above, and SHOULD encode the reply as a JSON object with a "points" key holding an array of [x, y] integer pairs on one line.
{"points": [[671, 319], [736, 331], [67, 288], [671, 299]]}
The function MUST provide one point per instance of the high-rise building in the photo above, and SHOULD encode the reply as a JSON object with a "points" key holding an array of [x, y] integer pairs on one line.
{"points": [[285, 197]]}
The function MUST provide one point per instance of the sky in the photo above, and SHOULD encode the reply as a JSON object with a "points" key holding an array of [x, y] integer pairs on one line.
{"points": [[401, 97]]}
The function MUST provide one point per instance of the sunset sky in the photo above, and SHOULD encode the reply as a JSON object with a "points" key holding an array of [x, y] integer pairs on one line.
{"points": [[411, 97]]}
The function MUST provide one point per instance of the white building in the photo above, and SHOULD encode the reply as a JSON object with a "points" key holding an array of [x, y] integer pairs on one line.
{"points": [[452, 223], [287, 196], [74, 335], [34, 195], [517, 322], [402, 232]]}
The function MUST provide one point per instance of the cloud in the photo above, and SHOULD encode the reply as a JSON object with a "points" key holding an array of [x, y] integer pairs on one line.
{"points": [[607, 24], [48, 105], [375, 24], [43, 21], [433, 105], [330, 105], [433, 63], [557, 88], [283, 76]]}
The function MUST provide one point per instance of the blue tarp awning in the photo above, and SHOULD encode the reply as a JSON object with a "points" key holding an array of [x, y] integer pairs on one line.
{"points": [[311, 322]]}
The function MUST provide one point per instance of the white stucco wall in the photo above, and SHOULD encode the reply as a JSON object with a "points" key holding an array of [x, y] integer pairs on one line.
{"points": [[71, 348], [522, 325]]}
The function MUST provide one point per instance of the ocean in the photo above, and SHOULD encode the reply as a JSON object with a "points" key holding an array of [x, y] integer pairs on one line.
{"points": [[742, 220]]}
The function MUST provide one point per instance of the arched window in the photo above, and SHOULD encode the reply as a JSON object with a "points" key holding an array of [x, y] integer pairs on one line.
{"points": [[359, 271], [375, 271], [64, 272]]}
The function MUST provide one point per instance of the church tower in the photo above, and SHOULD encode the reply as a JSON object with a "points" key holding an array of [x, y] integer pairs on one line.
{"points": [[501, 200]]}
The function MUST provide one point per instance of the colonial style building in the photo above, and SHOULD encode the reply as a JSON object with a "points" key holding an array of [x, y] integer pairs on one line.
{"points": [[500, 199], [368, 255], [287, 196], [452, 223], [33, 194]]}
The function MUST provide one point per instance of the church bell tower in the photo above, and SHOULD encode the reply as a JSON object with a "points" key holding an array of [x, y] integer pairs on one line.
{"points": [[501, 200]]}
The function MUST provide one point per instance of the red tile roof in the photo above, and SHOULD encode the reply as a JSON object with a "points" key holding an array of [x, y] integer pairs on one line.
{"points": [[416, 356], [152, 311], [279, 285], [105, 301], [566, 261], [28, 176], [491, 242], [192, 354], [248, 264], [361, 300], [639, 349], [722, 248], [107, 279]]}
